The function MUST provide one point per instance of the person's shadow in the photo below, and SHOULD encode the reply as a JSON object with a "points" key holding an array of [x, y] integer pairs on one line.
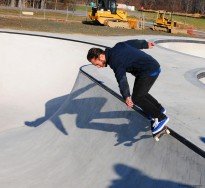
{"points": [[91, 116], [131, 178], [52, 107]]}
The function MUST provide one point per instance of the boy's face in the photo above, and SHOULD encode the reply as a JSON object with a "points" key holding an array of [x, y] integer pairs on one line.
{"points": [[99, 62]]}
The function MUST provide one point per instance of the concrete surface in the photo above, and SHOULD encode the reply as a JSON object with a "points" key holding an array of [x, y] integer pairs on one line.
{"points": [[107, 145], [34, 70], [177, 88], [54, 137], [194, 49]]}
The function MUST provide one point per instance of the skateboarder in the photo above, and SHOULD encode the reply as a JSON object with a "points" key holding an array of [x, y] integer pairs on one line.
{"points": [[127, 57]]}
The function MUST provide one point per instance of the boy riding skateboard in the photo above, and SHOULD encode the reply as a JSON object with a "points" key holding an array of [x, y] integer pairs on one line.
{"points": [[127, 57]]}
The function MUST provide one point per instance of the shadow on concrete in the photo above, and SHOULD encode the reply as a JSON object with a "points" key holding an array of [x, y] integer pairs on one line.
{"points": [[90, 116], [52, 106], [132, 178]]}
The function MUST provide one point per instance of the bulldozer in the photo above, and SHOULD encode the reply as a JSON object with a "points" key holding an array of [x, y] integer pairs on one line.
{"points": [[106, 13], [164, 22]]}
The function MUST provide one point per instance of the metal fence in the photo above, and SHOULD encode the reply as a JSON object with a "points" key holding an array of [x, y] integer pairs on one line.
{"points": [[42, 9], [40, 4]]}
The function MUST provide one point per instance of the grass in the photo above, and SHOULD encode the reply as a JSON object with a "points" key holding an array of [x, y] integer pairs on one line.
{"points": [[9, 12], [41, 15], [82, 8], [61, 23], [68, 27], [198, 23]]}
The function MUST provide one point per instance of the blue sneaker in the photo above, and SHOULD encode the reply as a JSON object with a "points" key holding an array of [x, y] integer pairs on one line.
{"points": [[159, 125]]}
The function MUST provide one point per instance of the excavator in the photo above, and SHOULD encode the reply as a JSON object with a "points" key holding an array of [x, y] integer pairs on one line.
{"points": [[106, 13]]}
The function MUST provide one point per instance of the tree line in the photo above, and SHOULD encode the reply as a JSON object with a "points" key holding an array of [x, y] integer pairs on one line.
{"points": [[41, 4], [185, 6]]}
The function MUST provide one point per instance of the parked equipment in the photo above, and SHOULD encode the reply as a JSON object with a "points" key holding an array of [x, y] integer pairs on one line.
{"points": [[106, 13], [164, 22]]}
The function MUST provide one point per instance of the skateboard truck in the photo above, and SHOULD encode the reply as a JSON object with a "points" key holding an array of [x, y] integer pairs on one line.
{"points": [[164, 131]]}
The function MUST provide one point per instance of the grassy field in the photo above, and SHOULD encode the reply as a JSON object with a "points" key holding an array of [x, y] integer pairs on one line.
{"points": [[40, 15], [82, 8], [68, 27], [60, 22], [198, 23]]}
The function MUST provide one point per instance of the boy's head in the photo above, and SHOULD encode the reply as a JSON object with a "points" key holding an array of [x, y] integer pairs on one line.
{"points": [[97, 57]]}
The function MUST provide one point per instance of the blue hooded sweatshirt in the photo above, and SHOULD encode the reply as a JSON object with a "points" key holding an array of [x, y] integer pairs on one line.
{"points": [[127, 57]]}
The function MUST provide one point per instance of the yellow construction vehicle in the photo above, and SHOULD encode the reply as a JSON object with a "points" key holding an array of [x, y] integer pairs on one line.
{"points": [[106, 13], [164, 22]]}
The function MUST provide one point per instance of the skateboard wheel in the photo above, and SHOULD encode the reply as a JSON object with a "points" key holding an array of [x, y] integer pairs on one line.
{"points": [[167, 131], [157, 139]]}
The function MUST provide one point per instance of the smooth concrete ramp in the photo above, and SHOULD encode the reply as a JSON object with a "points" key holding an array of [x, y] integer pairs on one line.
{"points": [[81, 138], [107, 145], [34, 70], [188, 47]]}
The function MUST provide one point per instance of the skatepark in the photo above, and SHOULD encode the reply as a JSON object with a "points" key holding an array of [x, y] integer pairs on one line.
{"points": [[64, 123]]}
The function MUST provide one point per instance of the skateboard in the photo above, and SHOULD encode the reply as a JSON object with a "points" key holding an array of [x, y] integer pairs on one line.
{"points": [[164, 131]]}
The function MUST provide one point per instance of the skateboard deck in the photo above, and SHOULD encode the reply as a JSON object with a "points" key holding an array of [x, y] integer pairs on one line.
{"points": [[164, 131]]}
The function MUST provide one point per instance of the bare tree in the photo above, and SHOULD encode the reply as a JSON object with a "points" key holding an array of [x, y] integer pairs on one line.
{"points": [[188, 4], [13, 3], [22, 3], [152, 4], [43, 4], [202, 6]]}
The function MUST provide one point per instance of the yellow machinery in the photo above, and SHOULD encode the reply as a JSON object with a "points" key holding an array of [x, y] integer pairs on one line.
{"points": [[164, 22], [105, 12]]}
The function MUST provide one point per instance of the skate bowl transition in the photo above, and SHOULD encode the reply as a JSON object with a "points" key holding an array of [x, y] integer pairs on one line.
{"points": [[187, 47], [63, 127]]}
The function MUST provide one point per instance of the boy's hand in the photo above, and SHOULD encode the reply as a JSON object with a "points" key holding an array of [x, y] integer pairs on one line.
{"points": [[151, 44], [129, 102]]}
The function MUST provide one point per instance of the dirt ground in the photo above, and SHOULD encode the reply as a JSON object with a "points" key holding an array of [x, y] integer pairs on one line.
{"points": [[69, 27]]}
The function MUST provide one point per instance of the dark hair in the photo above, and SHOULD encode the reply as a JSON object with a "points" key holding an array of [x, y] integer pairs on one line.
{"points": [[94, 53]]}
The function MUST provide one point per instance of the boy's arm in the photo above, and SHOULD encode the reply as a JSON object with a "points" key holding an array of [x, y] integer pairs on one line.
{"points": [[140, 44], [124, 87], [121, 77], [125, 91]]}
